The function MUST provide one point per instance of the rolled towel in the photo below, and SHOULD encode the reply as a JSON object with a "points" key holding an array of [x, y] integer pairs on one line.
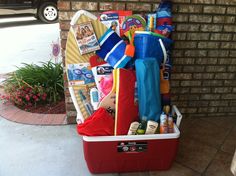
{"points": [[113, 49]]}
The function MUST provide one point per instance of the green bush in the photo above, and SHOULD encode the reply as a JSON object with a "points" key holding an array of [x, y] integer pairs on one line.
{"points": [[33, 84]]}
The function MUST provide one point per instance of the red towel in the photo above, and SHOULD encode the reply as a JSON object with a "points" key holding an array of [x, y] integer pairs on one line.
{"points": [[100, 123], [126, 107]]}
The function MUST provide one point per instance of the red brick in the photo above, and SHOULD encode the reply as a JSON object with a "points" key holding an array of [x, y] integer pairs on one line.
{"points": [[91, 6], [64, 25], [105, 6], [66, 15], [63, 44], [63, 34], [139, 7], [63, 5]]}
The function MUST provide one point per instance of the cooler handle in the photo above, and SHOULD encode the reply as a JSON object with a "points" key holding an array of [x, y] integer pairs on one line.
{"points": [[179, 115]]}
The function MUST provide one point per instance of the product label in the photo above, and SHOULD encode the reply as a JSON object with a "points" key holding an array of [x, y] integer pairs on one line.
{"points": [[111, 21], [80, 74], [104, 70], [132, 147]]}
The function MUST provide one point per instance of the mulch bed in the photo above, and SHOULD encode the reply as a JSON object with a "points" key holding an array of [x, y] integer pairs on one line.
{"points": [[58, 108]]}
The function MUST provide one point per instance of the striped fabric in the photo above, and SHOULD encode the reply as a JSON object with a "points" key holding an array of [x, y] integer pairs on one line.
{"points": [[113, 50]]}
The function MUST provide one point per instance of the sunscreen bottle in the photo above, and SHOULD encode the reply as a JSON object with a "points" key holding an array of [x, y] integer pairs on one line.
{"points": [[133, 128], [163, 123], [94, 98], [151, 25], [151, 127]]}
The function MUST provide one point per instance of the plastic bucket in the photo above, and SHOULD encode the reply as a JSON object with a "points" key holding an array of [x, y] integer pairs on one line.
{"points": [[147, 45]]}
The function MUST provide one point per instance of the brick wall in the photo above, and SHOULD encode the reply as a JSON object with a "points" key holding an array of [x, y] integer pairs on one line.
{"points": [[204, 56]]}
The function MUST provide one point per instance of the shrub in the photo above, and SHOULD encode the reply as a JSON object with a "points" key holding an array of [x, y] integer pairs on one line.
{"points": [[32, 84]]}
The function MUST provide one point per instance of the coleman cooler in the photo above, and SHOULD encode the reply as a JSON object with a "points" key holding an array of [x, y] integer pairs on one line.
{"points": [[133, 153]]}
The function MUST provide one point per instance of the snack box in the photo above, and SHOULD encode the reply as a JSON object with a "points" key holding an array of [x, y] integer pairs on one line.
{"points": [[134, 153]]}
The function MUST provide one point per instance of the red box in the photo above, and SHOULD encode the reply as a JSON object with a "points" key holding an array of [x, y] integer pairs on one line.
{"points": [[110, 154]]}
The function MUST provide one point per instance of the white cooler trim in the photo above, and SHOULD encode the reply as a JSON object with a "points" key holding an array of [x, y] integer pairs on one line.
{"points": [[174, 135]]}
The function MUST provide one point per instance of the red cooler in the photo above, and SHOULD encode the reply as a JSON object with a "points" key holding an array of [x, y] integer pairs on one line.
{"points": [[134, 153]]}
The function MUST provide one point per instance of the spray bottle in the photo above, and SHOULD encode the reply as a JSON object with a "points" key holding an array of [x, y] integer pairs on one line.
{"points": [[94, 98], [163, 123]]}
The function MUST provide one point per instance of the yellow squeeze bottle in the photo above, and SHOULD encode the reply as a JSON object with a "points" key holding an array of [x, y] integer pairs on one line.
{"points": [[151, 25]]}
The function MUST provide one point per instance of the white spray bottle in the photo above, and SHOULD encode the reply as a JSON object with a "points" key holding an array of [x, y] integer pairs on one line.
{"points": [[94, 98]]}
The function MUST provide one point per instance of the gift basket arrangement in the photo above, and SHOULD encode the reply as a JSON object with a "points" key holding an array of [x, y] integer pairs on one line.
{"points": [[118, 69]]}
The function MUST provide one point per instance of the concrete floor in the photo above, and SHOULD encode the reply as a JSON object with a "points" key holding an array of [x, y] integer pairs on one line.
{"points": [[28, 150], [206, 148]]}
